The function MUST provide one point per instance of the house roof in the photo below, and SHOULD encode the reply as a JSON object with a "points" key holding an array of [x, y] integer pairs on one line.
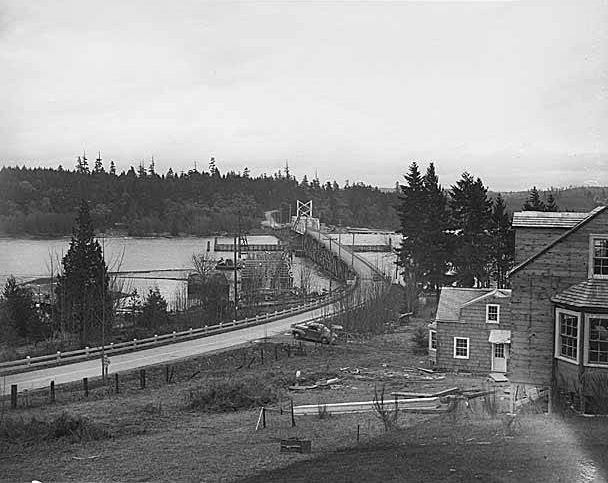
{"points": [[590, 294], [590, 216], [542, 219], [452, 299]]}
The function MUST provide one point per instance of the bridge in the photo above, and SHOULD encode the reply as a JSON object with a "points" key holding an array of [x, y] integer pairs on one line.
{"points": [[335, 257]]}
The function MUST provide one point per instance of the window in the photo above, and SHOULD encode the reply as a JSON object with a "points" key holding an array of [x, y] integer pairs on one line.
{"points": [[432, 340], [598, 264], [461, 347], [499, 351], [597, 343], [492, 314], [566, 335]]}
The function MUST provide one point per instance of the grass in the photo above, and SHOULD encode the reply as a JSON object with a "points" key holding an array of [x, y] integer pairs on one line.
{"points": [[232, 395], [155, 435]]}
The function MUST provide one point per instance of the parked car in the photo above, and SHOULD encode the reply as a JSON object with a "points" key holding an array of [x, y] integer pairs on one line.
{"points": [[314, 331]]}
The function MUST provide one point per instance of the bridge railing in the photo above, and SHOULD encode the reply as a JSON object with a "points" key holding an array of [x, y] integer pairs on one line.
{"points": [[59, 358]]}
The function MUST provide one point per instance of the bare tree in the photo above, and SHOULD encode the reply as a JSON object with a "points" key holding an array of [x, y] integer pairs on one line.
{"points": [[203, 264]]}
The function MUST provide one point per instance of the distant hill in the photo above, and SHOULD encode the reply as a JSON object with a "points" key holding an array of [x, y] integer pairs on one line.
{"points": [[582, 198]]}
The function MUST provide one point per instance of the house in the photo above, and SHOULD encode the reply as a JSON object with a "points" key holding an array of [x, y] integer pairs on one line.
{"points": [[471, 330], [559, 304]]}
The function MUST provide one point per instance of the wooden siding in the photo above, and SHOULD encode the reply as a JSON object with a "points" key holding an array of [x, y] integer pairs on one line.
{"points": [[533, 321], [471, 324], [528, 241]]}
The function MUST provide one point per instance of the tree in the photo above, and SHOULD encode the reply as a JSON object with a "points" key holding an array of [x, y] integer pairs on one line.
{"points": [[410, 209], [19, 316], [112, 168], [82, 167], [534, 203], [471, 218], [154, 310], [551, 205], [434, 225], [98, 167], [503, 242], [83, 301]]}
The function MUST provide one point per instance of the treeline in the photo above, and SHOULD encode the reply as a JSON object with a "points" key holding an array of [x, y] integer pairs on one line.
{"points": [[458, 236], [43, 201]]}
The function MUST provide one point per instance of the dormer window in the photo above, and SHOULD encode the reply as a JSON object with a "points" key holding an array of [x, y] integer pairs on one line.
{"points": [[492, 314]]}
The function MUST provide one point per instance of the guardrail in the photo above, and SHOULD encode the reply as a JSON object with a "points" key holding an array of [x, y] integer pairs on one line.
{"points": [[29, 363]]}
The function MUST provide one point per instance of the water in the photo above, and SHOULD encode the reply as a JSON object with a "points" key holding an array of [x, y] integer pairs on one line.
{"points": [[30, 259]]}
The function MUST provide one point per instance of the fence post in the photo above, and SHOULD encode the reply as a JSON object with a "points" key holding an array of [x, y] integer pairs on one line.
{"points": [[262, 354], [58, 355], [276, 352], [293, 418], [13, 396], [28, 362], [263, 417], [142, 378], [173, 335], [167, 374], [52, 391], [85, 385], [116, 388], [134, 342], [86, 351], [190, 331]]}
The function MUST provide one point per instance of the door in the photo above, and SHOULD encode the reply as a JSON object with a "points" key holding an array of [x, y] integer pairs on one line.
{"points": [[499, 357]]}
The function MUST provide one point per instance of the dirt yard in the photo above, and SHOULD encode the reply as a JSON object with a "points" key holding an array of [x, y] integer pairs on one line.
{"points": [[151, 435]]}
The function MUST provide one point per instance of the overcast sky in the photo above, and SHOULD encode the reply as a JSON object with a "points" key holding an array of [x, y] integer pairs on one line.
{"points": [[514, 92]]}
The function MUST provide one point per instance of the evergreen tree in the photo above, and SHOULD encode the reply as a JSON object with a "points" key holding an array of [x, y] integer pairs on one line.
{"points": [[503, 242], [534, 203], [82, 167], [83, 302], [434, 237], [112, 168], [98, 167], [551, 204], [411, 208], [18, 314], [471, 217], [154, 310]]}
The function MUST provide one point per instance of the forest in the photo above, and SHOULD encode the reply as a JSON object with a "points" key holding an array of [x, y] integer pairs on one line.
{"points": [[44, 201]]}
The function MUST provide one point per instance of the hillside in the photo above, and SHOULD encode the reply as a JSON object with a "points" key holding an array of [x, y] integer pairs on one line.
{"points": [[581, 198]]}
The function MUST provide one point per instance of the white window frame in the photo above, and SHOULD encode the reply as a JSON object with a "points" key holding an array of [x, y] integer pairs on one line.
{"points": [[488, 321], [468, 348], [579, 331], [592, 239], [431, 348], [586, 341]]}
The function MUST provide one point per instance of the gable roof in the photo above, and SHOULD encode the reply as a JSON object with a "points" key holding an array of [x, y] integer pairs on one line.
{"points": [[542, 219], [591, 294], [452, 299], [590, 216]]}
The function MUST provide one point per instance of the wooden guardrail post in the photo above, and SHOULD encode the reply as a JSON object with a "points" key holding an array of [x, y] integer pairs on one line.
{"points": [[264, 417], [85, 385], [142, 378], [86, 351], [52, 391], [27, 360], [262, 354], [58, 355], [293, 418], [13, 396]]}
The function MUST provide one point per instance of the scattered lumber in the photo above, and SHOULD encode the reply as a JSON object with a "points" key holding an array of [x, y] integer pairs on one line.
{"points": [[428, 371], [409, 395]]}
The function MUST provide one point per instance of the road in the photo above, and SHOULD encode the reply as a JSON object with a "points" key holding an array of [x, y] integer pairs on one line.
{"points": [[41, 378]]}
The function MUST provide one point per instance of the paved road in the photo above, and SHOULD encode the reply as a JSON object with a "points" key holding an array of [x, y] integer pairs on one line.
{"points": [[76, 371]]}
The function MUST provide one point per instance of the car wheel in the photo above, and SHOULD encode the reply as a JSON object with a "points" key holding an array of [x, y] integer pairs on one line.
{"points": [[324, 340], [296, 335]]}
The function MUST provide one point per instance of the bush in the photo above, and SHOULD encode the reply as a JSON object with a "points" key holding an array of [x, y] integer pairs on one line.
{"points": [[232, 395], [66, 425], [421, 340]]}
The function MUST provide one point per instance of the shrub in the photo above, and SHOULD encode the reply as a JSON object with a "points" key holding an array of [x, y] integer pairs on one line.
{"points": [[421, 340], [386, 411], [232, 395], [66, 425]]}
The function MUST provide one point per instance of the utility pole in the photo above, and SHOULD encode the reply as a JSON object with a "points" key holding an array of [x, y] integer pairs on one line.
{"points": [[352, 254], [103, 312]]}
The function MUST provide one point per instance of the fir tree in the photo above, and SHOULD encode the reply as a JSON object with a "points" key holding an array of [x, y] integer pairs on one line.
{"points": [[154, 310], [83, 302], [410, 209], [503, 242], [112, 168], [471, 216], [98, 167], [551, 205], [18, 314], [534, 203]]}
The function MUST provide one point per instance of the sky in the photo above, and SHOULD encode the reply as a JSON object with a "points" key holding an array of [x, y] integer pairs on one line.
{"points": [[513, 92]]}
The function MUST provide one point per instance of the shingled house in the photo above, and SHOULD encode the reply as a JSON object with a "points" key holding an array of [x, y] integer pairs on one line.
{"points": [[471, 331], [559, 304]]}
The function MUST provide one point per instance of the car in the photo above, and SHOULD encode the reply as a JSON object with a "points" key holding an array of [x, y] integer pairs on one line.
{"points": [[314, 331]]}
